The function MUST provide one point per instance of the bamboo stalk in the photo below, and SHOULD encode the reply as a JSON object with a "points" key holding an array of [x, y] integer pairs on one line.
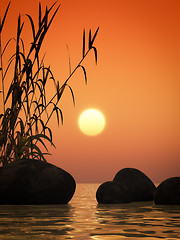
{"points": [[2, 74]]}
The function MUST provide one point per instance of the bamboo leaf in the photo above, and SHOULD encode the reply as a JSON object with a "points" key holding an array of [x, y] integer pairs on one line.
{"points": [[58, 110], [34, 146], [42, 32], [9, 92], [2, 24], [32, 26], [92, 41], [43, 126], [69, 60], [39, 14], [52, 6], [34, 43], [95, 53], [40, 89], [71, 94], [90, 44], [48, 11], [46, 75], [40, 135], [27, 101], [13, 117], [57, 114], [18, 138], [37, 106], [60, 90], [84, 70], [22, 42], [36, 123], [61, 115], [83, 43], [7, 44], [41, 141], [35, 155], [10, 62], [21, 125], [46, 19], [41, 38], [17, 62], [53, 17], [49, 130], [20, 30]]}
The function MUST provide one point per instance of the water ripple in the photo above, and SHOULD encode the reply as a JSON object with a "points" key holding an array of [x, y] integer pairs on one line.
{"points": [[84, 219]]}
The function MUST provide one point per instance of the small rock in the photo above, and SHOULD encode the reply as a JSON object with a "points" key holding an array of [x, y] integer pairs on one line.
{"points": [[140, 187], [112, 193], [35, 182], [168, 192]]}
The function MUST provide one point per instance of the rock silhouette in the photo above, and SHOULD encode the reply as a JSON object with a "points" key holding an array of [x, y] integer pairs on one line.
{"points": [[168, 192], [35, 182], [128, 185], [113, 193], [138, 184]]}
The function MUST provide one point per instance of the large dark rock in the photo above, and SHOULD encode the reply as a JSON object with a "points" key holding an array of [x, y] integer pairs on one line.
{"points": [[35, 182], [112, 193], [168, 192], [140, 187]]}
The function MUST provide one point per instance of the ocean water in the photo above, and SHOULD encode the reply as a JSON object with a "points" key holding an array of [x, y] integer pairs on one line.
{"points": [[83, 219]]}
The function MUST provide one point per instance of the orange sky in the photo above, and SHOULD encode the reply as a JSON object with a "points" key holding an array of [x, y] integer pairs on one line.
{"points": [[136, 84]]}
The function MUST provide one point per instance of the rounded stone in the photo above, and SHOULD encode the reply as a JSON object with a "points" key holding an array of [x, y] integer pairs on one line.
{"points": [[168, 192], [112, 193], [140, 187], [35, 182]]}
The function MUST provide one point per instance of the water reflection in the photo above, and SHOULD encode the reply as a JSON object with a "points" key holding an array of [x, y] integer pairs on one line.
{"points": [[139, 220], [84, 219], [30, 221]]}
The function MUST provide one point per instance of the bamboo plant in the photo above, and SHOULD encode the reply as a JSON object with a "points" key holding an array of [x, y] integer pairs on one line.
{"points": [[26, 111]]}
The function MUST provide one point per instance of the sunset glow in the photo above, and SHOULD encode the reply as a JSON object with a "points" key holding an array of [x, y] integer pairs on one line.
{"points": [[91, 122], [135, 84]]}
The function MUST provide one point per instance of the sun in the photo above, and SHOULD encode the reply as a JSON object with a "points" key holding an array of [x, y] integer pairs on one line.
{"points": [[91, 122]]}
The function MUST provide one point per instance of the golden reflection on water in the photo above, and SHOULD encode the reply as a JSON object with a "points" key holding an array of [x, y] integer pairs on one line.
{"points": [[84, 219]]}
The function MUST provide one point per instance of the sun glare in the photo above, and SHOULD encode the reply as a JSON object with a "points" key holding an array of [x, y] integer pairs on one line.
{"points": [[91, 122]]}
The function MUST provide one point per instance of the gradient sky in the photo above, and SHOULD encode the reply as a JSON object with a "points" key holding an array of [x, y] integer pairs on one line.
{"points": [[136, 84]]}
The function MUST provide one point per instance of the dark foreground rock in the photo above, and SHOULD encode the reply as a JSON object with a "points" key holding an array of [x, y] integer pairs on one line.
{"points": [[139, 186], [168, 192], [35, 182], [112, 193]]}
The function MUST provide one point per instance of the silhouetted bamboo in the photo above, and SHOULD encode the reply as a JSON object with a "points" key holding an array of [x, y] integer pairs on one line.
{"points": [[22, 125]]}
